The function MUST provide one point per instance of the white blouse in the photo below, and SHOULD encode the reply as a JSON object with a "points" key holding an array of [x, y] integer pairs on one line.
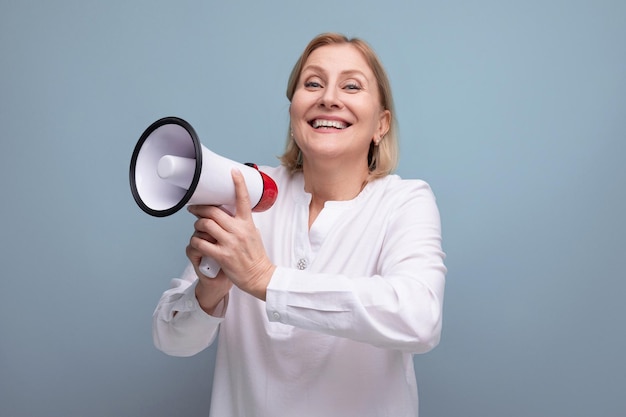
{"points": [[352, 299]]}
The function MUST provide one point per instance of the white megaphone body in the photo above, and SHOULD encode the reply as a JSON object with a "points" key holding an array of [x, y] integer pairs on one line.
{"points": [[170, 168]]}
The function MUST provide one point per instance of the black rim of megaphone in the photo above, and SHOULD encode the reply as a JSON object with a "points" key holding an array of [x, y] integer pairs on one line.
{"points": [[196, 175]]}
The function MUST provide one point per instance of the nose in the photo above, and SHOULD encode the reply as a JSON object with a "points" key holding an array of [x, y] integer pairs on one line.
{"points": [[330, 97]]}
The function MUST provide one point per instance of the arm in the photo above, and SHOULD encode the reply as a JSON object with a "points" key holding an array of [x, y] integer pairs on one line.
{"points": [[180, 327], [394, 301]]}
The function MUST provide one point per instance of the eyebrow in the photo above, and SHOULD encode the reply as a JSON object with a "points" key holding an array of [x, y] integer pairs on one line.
{"points": [[344, 73]]}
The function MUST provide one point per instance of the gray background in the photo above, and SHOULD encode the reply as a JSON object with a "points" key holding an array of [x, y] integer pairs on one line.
{"points": [[514, 112]]}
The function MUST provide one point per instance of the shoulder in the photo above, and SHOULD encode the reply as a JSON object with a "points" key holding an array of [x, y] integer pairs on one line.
{"points": [[393, 187], [403, 200]]}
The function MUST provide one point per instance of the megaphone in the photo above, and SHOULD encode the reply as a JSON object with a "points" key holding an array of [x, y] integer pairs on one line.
{"points": [[170, 168]]}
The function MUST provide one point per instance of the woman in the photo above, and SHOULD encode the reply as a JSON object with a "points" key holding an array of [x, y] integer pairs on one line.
{"points": [[323, 299]]}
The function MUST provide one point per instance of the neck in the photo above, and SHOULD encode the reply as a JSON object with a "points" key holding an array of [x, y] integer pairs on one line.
{"points": [[332, 185], [341, 185]]}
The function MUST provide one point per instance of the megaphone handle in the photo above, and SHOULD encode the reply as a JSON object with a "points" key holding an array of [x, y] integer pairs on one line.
{"points": [[209, 267]]}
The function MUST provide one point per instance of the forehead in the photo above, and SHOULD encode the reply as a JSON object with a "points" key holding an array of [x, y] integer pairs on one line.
{"points": [[341, 58]]}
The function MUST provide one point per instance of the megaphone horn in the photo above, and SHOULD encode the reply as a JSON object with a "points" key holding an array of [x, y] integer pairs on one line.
{"points": [[170, 168]]}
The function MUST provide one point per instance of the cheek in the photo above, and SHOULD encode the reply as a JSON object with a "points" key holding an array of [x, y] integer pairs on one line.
{"points": [[301, 102], [295, 120], [370, 117], [297, 112]]}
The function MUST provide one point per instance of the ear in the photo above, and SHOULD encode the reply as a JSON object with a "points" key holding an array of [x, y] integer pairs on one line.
{"points": [[384, 122]]}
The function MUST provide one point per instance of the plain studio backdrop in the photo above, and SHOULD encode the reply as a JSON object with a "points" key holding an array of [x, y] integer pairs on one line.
{"points": [[513, 111]]}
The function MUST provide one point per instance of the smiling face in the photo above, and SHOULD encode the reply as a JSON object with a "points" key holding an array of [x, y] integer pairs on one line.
{"points": [[335, 110]]}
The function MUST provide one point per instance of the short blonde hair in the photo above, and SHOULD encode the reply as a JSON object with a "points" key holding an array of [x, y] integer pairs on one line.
{"points": [[382, 158]]}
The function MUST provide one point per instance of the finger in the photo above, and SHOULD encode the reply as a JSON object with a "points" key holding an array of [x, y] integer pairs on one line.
{"points": [[193, 254], [243, 205], [203, 211], [199, 247], [214, 230], [195, 210], [211, 219], [204, 236]]}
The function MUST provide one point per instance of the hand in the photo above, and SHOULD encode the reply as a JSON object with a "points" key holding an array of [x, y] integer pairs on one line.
{"points": [[233, 241], [209, 291]]}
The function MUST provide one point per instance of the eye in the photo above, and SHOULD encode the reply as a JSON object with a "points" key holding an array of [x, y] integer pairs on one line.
{"points": [[312, 84], [352, 86]]}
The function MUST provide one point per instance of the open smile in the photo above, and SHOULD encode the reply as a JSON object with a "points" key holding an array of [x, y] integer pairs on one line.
{"points": [[329, 124]]}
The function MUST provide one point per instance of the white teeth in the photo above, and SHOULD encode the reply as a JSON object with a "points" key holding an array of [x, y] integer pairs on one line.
{"points": [[328, 123]]}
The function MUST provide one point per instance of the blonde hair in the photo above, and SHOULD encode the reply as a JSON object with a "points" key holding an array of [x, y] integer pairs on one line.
{"points": [[382, 158]]}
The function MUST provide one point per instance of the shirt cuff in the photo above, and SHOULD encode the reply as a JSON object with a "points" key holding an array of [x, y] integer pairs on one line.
{"points": [[186, 302], [276, 296]]}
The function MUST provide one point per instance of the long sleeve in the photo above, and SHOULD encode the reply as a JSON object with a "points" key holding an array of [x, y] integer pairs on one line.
{"points": [[179, 325], [380, 279]]}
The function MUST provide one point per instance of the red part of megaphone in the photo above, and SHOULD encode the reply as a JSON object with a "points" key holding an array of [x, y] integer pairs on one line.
{"points": [[270, 191]]}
